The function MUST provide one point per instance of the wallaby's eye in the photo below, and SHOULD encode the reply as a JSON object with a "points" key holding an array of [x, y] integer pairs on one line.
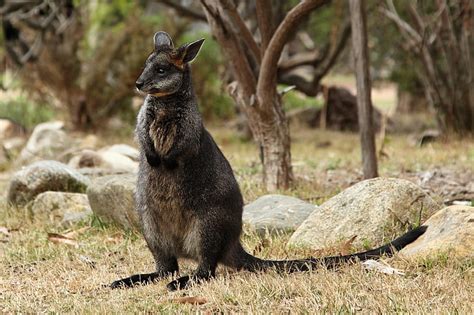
{"points": [[161, 71]]}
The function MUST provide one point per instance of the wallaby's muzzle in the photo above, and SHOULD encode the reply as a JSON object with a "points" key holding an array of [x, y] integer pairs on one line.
{"points": [[139, 84]]}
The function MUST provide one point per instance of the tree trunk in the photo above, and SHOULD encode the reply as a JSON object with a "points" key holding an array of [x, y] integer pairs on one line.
{"points": [[263, 109], [271, 133], [275, 145], [359, 44]]}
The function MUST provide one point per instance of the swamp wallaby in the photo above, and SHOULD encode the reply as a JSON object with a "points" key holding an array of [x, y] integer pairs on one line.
{"points": [[188, 200]]}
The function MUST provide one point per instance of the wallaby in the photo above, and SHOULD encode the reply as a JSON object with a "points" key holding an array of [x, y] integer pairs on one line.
{"points": [[188, 200]]}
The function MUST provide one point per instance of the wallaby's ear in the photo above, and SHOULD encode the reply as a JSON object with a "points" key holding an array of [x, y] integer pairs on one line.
{"points": [[189, 51], [162, 40]]}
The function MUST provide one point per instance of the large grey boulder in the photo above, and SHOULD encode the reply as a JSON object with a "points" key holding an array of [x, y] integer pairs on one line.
{"points": [[47, 142], [43, 176], [112, 199], [373, 210], [450, 231], [61, 206], [276, 213]]}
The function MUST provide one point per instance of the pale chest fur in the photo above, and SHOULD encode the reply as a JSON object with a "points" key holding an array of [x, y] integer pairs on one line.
{"points": [[163, 130]]}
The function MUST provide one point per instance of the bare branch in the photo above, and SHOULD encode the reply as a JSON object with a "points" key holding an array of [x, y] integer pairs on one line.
{"points": [[183, 10], [322, 65], [335, 50], [406, 29], [264, 21], [268, 70], [242, 29], [230, 43], [299, 59]]}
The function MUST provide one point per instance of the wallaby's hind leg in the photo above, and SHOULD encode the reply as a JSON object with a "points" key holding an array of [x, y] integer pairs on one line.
{"points": [[166, 263], [204, 272], [212, 245], [164, 267]]}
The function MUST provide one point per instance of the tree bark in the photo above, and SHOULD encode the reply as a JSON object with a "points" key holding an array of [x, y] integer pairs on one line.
{"points": [[359, 44]]}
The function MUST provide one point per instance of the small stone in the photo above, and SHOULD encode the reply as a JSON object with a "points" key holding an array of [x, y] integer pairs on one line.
{"points": [[43, 176], [47, 142], [276, 213], [61, 206], [450, 231], [112, 199], [123, 149]]}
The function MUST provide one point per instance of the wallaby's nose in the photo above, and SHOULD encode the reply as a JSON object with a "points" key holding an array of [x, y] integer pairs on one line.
{"points": [[139, 84]]}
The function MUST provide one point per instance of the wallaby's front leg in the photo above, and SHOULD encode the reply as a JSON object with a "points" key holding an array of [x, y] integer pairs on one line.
{"points": [[150, 153], [145, 118]]}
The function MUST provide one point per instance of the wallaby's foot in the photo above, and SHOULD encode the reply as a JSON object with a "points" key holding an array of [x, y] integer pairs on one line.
{"points": [[186, 282], [139, 279], [179, 284]]}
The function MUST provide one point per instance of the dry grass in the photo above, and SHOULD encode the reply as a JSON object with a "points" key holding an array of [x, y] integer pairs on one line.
{"points": [[38, 276]]}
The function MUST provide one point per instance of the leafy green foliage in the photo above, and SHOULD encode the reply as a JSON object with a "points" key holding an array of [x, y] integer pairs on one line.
{"points": [[295, 100], [25, 112]]}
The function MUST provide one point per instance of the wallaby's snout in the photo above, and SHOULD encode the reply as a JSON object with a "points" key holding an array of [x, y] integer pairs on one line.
{"points": [[139, 84]]}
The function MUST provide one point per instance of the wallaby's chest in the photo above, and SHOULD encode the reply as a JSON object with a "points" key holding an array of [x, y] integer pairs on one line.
{"points": [[163, 129]]}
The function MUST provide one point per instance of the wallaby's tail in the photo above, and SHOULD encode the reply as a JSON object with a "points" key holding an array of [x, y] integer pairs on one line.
{"points": [[242, 260]]}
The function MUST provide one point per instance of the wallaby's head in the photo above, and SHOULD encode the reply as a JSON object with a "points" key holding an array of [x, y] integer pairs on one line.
{"points": [[165, 68]]}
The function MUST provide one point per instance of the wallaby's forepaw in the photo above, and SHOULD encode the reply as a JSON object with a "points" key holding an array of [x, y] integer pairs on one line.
{"points": [[153, 159]]}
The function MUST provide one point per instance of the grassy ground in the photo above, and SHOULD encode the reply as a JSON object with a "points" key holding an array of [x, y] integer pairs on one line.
{"points": [[39, 276]]}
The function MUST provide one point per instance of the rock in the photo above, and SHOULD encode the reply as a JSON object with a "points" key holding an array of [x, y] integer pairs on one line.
{"points": [[43, 176], [92, 172], [117, 161], [4, 159], [112, 199], [450, 231], [86, 158], [373, 210], [303, 116], [13, 145], [428, 136], [61, 206], [123, 149], [47, 142], [11, 129], [89, 142], [118, 157], [276, 213]]}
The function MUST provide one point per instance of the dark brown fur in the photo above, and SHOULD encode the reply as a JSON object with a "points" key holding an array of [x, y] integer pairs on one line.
{"points": [[187, 197]]}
